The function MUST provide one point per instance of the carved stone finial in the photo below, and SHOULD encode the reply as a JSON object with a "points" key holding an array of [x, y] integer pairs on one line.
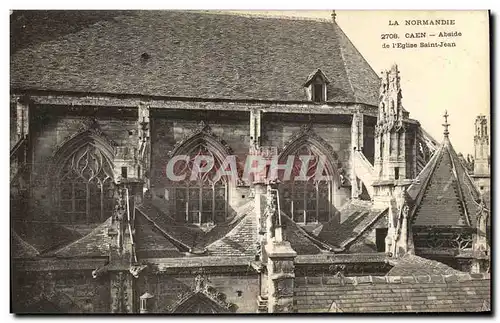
{"points": [[446, 124], [200, 283], [135, 270], [271, 212], [99, 271], [334, 15], [202, 126]]}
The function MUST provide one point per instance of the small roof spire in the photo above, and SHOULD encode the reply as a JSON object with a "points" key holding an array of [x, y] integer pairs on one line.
{"points": [[334, 15], [446, 124]]}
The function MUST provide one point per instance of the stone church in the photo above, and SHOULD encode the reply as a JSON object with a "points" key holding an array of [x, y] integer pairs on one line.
{"points": [[102, 102]]}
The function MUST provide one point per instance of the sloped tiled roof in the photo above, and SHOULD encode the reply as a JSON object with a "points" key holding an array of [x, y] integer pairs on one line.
{"points": [[361, 216], [20, 248], [43, 236], [186, 54], [444, 193], [180, 295], [188, 237], [299, 239], [240, 241], [368, 294], [414, 265], [94, 244], [150, 242], [182, 235]]}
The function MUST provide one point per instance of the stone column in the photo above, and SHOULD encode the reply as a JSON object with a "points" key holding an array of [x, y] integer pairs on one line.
{"points": [[255, 129], [389, 146], [414, 157], [280, 276], [357, 132], [356, 145], [480, 245], [377, 164], [122, 293], [260, 206], [144, 144], [398, 240], [402, 155], [122, 250], [145, 302], [22, 117]]}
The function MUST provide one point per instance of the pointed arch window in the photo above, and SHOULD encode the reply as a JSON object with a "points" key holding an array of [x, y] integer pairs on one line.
{"points": [[202, 199], [200, 303], [309, 200], [85, 187]]}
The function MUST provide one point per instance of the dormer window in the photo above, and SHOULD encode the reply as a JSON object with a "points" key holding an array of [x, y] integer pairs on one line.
{"points": [[316, 86], [319, 93]]}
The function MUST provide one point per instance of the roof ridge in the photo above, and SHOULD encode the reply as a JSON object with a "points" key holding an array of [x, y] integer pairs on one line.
{"points": [[458, 186], [345, 66], [438, 154], [242, 37], [380, 212], [454, 156], [165, 234], [24, 243], [343, 34], [258, 16], [407, 279], [243, 220], [96, 229], [317, 242]]}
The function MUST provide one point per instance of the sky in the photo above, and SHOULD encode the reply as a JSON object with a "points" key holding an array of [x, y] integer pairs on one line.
{"points": [[433, 80]]}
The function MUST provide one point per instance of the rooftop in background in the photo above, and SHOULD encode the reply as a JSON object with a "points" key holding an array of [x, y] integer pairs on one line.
{"points": [[422, 293], [444, 192], [208, 55]]}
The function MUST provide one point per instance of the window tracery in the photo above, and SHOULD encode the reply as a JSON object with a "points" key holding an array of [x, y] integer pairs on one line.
{"points": [[85, 187], [308, 200], [202, 196]]}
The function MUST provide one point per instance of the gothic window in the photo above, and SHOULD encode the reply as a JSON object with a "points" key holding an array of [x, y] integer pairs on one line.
{"points": [[199, 303], [85, 187], [202, 199], [310, 200]]}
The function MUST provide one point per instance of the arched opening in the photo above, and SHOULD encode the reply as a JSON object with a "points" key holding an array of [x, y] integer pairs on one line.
{"points": [[308, 196], [200, 304], [83, 185], [202, 196]]}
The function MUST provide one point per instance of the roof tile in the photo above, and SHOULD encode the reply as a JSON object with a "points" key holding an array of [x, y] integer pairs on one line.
{"points": [[445, 192], [187, 54], [407, 295]]}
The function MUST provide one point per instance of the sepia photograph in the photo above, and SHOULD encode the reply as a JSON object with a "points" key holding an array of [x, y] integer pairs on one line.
{"points": [[250, 162]]}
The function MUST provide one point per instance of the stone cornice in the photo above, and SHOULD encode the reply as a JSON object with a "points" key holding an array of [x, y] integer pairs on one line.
{"points": [[57, 264], [129, 101]]}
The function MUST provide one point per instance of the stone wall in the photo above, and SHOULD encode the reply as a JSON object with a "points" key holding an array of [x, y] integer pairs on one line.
{"points": [[369, 143], [410, 153], [336, 134], [12, 125], [49, 130], [169, 290], [61, 291], [52, 126], [168, 132]]}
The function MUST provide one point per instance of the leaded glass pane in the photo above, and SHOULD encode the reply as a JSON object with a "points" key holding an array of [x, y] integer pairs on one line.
{"points": [[309, 197], [203, 193], [85, 183]]}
